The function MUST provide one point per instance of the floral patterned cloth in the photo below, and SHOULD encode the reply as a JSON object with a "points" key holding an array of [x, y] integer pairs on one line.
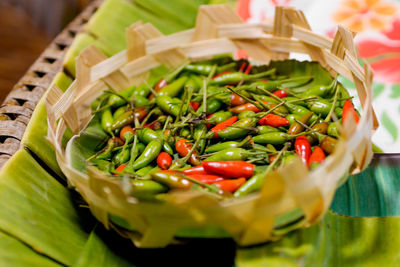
{"points": [[377, 23]]}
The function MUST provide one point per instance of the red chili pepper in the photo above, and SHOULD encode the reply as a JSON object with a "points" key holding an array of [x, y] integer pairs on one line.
{"points": [[234, 169], [273, 120], [183, 146], [231, 185], [237, 100], [195, 170], [281, 93], [348, 110], [223, 125], [206, 178], [194, 105], [247, 71], [220, 74], [303, 148], [164, 160], [317, 156], [242, 67], [265, 81], [120, 168], [125, 130]]}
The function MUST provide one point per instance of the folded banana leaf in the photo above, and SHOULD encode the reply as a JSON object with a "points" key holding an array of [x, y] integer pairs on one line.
{"points": [[364, 234], [35, 134], [37, 210]]}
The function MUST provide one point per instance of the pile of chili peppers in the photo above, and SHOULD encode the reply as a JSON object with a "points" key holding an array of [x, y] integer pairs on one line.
{"points": [[219, 125]]}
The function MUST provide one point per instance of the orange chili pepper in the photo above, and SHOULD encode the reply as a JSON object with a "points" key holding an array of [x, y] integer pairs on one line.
{"points": [[273, 120], [348, 110], [125, 130], [230, 185], [223, 125], [237, 100], [120, 168], [164, 160], [317, 156], [183, 146]]}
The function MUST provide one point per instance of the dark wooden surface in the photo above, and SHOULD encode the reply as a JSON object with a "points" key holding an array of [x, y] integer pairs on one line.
{"points": [[21, 42], [26, 91]]}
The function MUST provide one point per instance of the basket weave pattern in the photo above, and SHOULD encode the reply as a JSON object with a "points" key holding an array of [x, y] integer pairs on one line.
{"points": [[218, 30]]}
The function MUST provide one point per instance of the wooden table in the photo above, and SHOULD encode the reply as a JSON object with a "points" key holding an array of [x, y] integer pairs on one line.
{"points": [[19, 104]]}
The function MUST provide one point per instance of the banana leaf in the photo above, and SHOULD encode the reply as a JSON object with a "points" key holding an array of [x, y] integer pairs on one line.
{"points": [[37, 210], [35, 134], [15, 253], [364, 234]]}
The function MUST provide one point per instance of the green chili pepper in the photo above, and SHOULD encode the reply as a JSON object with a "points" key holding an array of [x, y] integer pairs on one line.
{"points": [[149, 154], [144, 171], [319, 90], [173, 89], [191, 82], [219, 117], [199, 131], [213, 105], [320, 129], [185, 132], [274, 138], [246, 114], [119, 112], [116, 101], [300, 110], [106, 119], [205, 69], [122, 156], [172, 179], [343, 94], [103, 165], [231, 154], [291, 118], [146, 189], [323, 106], [221, 146], [297, 127], [234, 133], [256, 182], [142, 90], [262, 129], [298, 101], [237, 77], [147, 135], [333, 129], [168, 104], [288, 158], [198, 81]]}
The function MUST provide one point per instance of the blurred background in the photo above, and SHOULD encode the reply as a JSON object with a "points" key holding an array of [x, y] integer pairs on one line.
{"points": [[26, 28]]}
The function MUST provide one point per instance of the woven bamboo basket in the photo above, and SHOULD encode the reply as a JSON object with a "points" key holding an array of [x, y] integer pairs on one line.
{"points": [[218, 30]]}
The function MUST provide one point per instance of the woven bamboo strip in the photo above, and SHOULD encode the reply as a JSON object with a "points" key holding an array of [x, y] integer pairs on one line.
{"points": [[218, 30]]}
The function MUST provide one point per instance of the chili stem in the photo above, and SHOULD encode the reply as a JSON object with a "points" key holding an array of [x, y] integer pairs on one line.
{"points": [[255, 103], [329, 117]]}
